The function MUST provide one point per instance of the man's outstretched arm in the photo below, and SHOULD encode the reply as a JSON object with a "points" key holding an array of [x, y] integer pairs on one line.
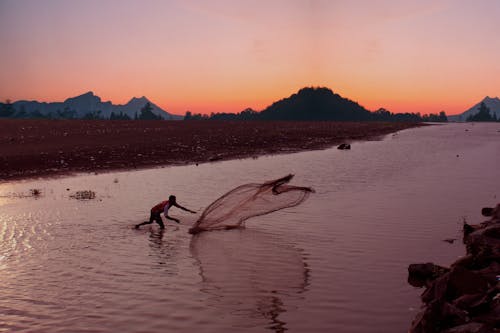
{"points": [[184, 208]]}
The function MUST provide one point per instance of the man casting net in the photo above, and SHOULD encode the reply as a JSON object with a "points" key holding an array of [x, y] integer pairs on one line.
{"points": [[249, 200]]}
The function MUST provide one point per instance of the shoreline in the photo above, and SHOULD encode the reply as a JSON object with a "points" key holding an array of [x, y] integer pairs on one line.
{"points": [[46, 148]]}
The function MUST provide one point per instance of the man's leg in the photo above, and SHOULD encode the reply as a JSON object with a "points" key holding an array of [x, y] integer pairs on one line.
{"points": [[151, 219]]}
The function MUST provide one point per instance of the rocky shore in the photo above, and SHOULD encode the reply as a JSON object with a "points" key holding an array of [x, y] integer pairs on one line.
{"points": [[464, 298], [33, 148]]}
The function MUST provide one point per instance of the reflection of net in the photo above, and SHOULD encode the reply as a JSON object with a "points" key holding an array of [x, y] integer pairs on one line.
{"points": [[251, 277], [249, 200]]}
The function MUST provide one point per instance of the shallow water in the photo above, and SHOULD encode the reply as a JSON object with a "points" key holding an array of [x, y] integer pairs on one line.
{"points": [[336, 263]]}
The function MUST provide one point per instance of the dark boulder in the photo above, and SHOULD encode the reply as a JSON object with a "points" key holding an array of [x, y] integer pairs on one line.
{"points": [[344, 146], [465, 282], [484, 242], [471, 328], [422, 274], [473, 304], [438, 316], [492, 316]]}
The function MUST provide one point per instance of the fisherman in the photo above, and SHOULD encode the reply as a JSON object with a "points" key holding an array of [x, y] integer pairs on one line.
{"points": [[163, 207]]}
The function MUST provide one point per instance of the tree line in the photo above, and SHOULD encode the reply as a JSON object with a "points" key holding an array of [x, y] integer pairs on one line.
{"points": [[379, 115]]}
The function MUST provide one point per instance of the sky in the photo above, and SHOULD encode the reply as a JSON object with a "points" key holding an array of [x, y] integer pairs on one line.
{"points": [[224, 55]]}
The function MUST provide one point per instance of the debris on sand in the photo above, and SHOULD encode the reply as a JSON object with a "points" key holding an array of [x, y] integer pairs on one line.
{"points": [[466, 297]]}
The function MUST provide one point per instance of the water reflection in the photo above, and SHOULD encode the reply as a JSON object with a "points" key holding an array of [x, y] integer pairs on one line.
{"points": [[165, 249], [250, 274]]}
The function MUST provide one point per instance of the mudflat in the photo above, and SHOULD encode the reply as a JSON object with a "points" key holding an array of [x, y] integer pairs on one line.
{"points": [[32, 148]]}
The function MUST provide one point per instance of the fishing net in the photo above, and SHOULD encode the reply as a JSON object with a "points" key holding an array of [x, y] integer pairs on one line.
{"points": [[250, 200]]}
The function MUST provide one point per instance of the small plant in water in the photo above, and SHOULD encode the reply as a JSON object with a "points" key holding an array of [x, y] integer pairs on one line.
{"points": [[83, 195], [34, 192]]}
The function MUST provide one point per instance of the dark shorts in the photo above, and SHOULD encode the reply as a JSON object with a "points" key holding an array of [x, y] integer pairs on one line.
{"points": [[157, 218]]}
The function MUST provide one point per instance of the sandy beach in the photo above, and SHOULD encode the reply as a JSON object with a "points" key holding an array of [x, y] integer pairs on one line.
{"points": [[34, 148]]}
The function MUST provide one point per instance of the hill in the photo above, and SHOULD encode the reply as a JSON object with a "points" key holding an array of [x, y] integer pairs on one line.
{"points": [[315, 104]]}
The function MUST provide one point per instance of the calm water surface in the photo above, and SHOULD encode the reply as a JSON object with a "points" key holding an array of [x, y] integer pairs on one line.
{"points": [[337, 263]]}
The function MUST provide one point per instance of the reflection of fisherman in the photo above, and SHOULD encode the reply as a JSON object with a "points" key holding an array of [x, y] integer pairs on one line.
{"points": [[163, 207]]}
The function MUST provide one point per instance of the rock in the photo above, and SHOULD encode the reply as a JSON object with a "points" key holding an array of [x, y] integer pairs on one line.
{"points": [[344, 146], [437, 290], [492, 316], [487, 211], [493, 212], [491, 272], [452, 316], [466, 262], [465, 282], [470, 328], [469, 228], [472, 303], [492, 231], [438, 316], [484, 242], [423, 323], [422, 274]]}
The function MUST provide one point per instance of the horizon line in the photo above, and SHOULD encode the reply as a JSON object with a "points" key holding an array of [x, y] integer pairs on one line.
{"points": [[103, 100]]}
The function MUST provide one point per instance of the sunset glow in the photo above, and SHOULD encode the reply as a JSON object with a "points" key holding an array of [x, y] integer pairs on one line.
{"points": [[225, 56]]}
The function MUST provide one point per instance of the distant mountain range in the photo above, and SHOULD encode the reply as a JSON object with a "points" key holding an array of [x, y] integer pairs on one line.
{"points": [[492, 103], [86, 105]]}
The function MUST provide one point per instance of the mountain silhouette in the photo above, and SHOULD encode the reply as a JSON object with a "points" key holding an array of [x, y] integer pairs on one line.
{"points": [[86, 104], [493, 103]]}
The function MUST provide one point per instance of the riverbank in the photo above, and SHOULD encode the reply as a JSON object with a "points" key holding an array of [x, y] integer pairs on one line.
{"points": [[35, 148], [464, 298]]}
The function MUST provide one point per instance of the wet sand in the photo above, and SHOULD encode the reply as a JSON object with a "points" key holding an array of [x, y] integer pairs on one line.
{"points": [[35, 148]]}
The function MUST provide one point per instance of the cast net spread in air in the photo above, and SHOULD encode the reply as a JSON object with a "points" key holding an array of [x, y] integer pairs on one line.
{"points": [[250, 200]]}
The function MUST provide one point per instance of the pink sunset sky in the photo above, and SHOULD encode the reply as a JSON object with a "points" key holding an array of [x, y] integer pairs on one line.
{"points": [[224, 56]]}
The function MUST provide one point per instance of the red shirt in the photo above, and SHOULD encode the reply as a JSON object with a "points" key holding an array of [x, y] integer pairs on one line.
{"points": [[159, 208]]}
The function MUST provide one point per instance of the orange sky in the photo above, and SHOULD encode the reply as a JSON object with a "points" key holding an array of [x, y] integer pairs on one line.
{"points": [[225, 56]]}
